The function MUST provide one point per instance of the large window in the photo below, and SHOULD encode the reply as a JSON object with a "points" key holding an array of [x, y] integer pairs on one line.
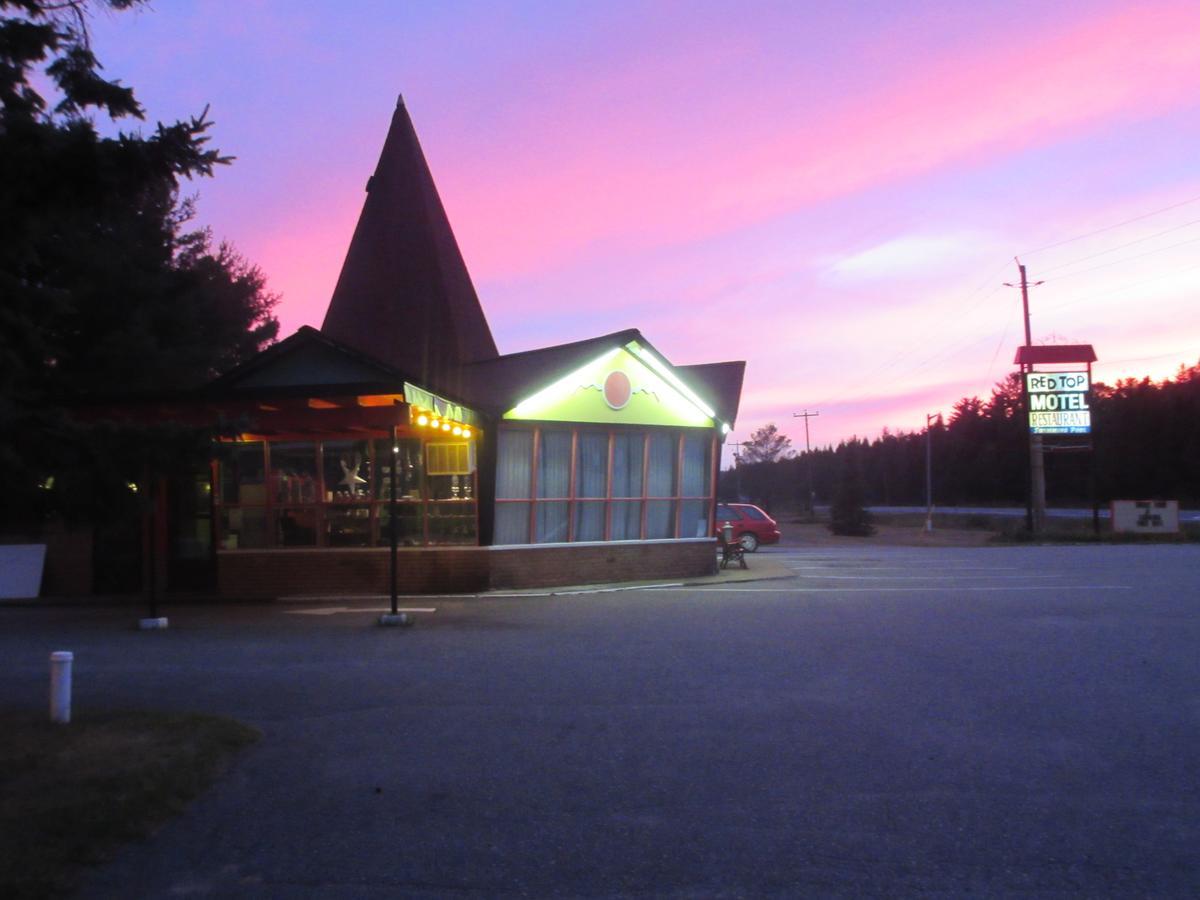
{"points": [[555, 484], [338, 493]]}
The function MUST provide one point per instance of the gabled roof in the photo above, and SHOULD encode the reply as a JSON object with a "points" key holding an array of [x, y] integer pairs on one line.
{"points": [[500, 384], [404, 295], [1049, 354], [720, 384]]}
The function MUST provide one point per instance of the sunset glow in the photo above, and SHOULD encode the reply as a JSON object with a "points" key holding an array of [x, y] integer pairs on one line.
{"points": [[835, 196]]}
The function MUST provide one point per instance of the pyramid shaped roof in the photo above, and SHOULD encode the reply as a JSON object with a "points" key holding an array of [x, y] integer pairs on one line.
{"points": [[404, 295]]}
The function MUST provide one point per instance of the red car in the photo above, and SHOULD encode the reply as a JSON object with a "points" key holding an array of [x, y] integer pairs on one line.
{"points": [[751, 526]]}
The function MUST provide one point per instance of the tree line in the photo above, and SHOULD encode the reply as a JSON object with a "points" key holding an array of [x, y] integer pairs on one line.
{"points": [[1145, 434]]}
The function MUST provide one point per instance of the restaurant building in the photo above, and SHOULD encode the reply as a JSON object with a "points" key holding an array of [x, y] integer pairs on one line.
{"points": [[589, 461]]}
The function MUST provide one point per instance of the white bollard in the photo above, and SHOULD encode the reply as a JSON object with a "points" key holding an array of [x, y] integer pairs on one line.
{"points": [[60, 686]]}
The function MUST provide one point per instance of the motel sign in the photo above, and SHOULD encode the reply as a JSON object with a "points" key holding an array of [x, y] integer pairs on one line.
{"points": [[1058, 402]]}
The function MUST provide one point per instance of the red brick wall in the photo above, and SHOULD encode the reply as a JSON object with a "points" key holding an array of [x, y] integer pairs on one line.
{"points": [[260, 574], [547, 566]]}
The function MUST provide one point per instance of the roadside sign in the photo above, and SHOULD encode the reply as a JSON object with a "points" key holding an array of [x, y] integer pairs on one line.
{"points": [[1058, 402]]}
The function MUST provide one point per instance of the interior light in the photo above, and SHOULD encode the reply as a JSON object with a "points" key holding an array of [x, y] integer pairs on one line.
{"points": [[457, 430], [434, 422], [422, 419], [445, 426], [466, 433]]}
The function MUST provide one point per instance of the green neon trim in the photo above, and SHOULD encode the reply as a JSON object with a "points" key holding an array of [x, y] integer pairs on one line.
{"points": [[661, 368], [579, 397]]}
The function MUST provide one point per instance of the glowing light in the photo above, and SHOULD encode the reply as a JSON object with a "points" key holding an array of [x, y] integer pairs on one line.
{"points": [[725, 429], [445, 426], [422, 420], [467, 433], [395, 448], [661, 368], [132, 486], [433, 423], [457, 430]]}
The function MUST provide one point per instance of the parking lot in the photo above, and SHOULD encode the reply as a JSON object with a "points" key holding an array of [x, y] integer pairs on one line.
{"points": [[888, 720]]}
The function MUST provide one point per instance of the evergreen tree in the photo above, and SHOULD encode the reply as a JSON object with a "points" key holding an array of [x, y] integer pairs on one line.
{"points": [[848, 514], [103, 288]]}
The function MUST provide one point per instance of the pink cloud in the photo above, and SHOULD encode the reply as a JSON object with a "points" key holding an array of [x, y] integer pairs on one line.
{"points": [[582, 181]]}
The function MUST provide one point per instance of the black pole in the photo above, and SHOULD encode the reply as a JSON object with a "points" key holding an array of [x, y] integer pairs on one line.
{"points": [[392, 524], [152, 489]]}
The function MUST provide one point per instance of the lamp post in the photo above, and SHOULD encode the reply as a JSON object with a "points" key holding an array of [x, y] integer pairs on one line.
{"points": [[393, 537], [929, 418]]}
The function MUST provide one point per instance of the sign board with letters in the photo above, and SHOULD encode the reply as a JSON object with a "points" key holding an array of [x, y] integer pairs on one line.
{"points": [[1058, 402]]}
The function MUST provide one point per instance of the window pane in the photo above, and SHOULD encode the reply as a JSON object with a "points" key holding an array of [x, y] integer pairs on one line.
{"points": [[552, 522], [512, 523], [452, 523], [347, 471], [660, 518], [242, 474], [753, 512], [554, 465], [589, 521], [514, 463], [693, 518], [408, 519], [626, 520], [348, 526], [697, 466], [243, 528], [294, 472], [296, 528], [627, 465], [591, 466], [409, 469], [664, 450]]}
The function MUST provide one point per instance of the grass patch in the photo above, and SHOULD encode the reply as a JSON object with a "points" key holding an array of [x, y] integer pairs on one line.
{"points": [[70, 794]]}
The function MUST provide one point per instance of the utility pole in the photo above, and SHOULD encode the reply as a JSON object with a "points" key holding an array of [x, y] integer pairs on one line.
{"points": [[808, 502], [929, 418], [1036, 516], [737, 467]]}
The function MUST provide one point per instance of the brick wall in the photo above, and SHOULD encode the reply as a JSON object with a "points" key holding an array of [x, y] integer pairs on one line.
{"points": [[261, 574], [559, 564]]}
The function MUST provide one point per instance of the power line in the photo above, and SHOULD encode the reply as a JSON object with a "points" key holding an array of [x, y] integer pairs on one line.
{"points": [[1123, 288], [1140, 240], [1121, 262], [1089, 234]]}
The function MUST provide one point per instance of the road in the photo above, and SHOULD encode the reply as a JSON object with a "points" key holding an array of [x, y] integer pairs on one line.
{"points": [[1185, 515], [889, 721]]}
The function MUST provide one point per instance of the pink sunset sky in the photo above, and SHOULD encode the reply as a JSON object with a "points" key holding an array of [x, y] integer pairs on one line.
{"points": [[832, 192]]}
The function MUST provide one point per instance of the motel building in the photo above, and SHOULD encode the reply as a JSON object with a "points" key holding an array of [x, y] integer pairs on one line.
{"points": [[583, 462]]}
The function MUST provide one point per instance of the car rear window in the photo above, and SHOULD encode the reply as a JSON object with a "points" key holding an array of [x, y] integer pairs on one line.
{"points": [[753, 512]]}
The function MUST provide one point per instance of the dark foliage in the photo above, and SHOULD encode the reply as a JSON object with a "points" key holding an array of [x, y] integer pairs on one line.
{"points": [[848, 514], [1147, 446], [104, 289]]}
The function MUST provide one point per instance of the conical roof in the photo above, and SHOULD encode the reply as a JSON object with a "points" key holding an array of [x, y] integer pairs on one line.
{"points": [[404, 295]]}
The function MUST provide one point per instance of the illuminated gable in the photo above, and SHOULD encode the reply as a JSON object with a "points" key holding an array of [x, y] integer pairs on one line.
{"points": [[626, 385]]}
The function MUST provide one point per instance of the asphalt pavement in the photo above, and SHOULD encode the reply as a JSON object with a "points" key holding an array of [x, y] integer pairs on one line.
{"points": [[889, 721]]}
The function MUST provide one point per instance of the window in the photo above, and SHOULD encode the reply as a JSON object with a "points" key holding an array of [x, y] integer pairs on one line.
{"points": [[754, 513], [728, 514], [338, 493], [586, 484]]}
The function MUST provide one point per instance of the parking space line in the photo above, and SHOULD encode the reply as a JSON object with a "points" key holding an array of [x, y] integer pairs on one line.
{"points": [[334, 610], [908, 590]]}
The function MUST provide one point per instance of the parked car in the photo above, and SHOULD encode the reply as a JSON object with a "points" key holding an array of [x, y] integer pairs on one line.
{"points": [[751, 526]]}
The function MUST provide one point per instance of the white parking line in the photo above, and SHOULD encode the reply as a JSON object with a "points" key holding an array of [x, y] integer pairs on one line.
{"points": [[908, 590], [915, 577], [334, 610]]}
